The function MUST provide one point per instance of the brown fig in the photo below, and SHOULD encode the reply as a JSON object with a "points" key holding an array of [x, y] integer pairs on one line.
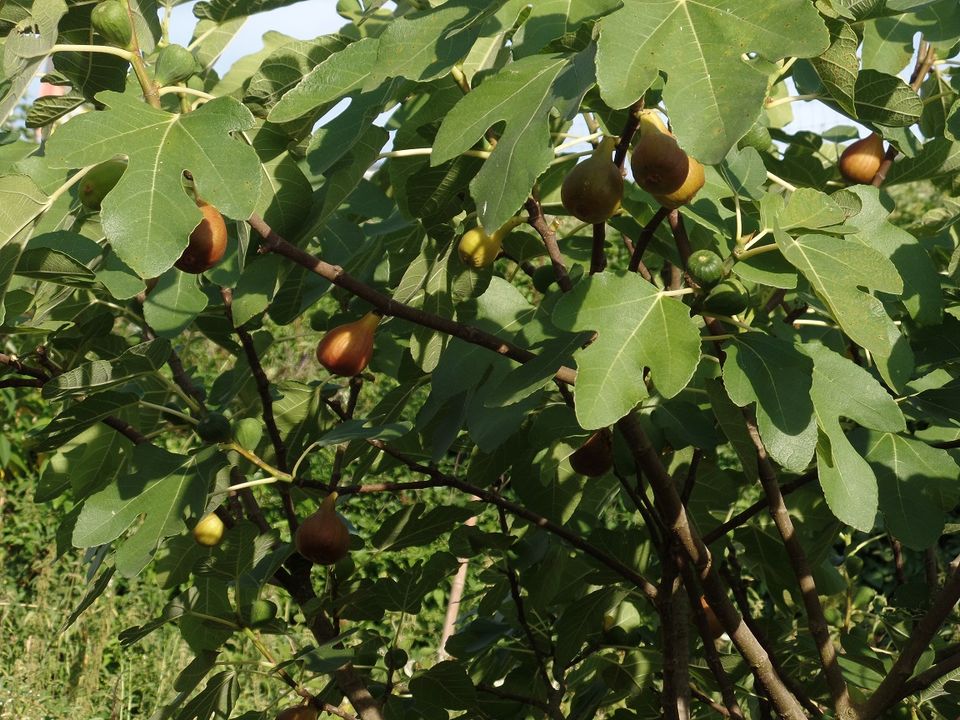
{"points": [[592, 191], [298, 712], [661, 167], [323, 538], [346, 349], [861, 160], [208, 242], [595, 457], [716, 629]]}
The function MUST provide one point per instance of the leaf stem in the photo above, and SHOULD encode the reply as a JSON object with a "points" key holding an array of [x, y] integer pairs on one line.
{"points": [[169, 411], [789, 99], [781, 182], [258, 461], [105, 49], [180, 89], [744, 254]]}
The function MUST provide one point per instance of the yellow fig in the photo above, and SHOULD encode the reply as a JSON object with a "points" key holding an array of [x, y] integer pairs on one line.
{"points": [[346, 349], [323, 538], [861, 160], [478, 249], [209, 530], [592, 191], [685, 193], [595, 457]]}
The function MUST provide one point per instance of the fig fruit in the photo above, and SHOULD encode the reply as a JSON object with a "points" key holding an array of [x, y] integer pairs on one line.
{"points": [[595, 457], [395, 658], [861, 160], [174, 64], [727, 298], [111, 19], [478, 249], [705, 266], [323, 538], [346, 349], [592, 191], [661, 167], [213, 428], [209, 530], [99, 181], [258, 613], [298, 712], [716, 629], [208, 242]]}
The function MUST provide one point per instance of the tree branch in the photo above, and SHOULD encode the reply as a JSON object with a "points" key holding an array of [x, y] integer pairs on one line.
{"points": [[539, 223], [646, 235], [816, 621], [388, 306]]}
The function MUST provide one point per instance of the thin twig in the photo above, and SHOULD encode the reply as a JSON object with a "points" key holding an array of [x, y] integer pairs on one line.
{"points": [[539, 223]]}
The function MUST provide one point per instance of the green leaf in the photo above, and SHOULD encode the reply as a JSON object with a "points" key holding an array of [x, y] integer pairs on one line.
{"points": [[637, 327], [53, 266], [20, 202], [776, 376], [552, 19], [98, 375], [886, 100], [174, 303], [918, 486], [522, 95], [713, 94], [839, 65], [836, 269], [161, 486], [921, 282], [807, 209], [24, 50], [446, 686], [412, 527], [255, 288], [525, 380], [731, 422], [148, 216], [842, 389], [81, 415]]}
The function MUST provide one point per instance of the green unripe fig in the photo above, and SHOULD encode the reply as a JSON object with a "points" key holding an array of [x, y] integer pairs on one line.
{"points": [[209, 530], [111, 19], [862, 159], [395, 658], [705, 266], [323, 538], [478, 249], [174, 64], [298, 712], [259, 612], [543, 277], [213, 428], [727, 298], [592, 191], [595, 457], [99, 181]]}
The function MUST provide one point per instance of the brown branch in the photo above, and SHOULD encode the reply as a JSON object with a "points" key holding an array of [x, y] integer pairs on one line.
{"points": [[675, 697], [266, 402], [730, 703], [125, 429], [816, 621], [741, 517], [919, 683], [539, 223], [892, 686], [598, 258], [674, 516], [522, 615], [691, 475], [626, 135], [439, 479], [679, 235], [388, 306], [16, 364], [707, 700], [21, 383], [646, 235]]}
